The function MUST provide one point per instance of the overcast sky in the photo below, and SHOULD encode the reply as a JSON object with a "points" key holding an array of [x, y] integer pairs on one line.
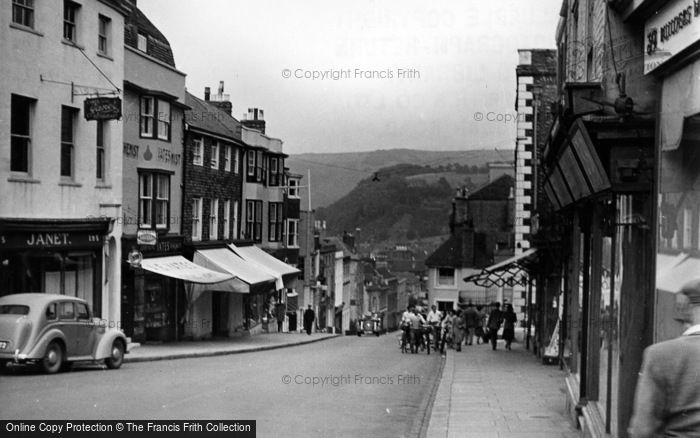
{"points": [[408, 74]]}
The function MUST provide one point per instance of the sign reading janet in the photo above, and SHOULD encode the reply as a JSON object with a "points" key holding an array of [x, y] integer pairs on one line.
{"points": [[672, 29]]}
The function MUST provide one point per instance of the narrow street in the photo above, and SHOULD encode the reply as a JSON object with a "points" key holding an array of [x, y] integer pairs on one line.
{"points": [[371, 389]]}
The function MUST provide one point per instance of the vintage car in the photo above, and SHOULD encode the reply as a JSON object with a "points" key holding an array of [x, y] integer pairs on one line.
{"points": [[55, 331]]}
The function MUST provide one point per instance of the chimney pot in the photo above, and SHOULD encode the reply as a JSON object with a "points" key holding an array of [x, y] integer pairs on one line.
{"points": [[207, 93]]}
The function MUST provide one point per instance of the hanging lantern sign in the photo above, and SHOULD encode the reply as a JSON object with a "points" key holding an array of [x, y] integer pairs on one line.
{"points": [[103, 108]]}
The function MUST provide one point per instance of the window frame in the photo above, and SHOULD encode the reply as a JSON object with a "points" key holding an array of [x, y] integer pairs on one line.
{"points": [[214, 157], [254, 220], [439, 276], [293, 188], [227, 157], [103, 34], [22, 139], [292, 236], [197, 151], [236, 160], [25, 10], [163, 121], [227, 219], [147, 117], [68, 144], [154, 119], [142, 42], [70, 21], [152, 201], [214, 219], [197, 219], [100, 151], [234, 224], [275, 221]]}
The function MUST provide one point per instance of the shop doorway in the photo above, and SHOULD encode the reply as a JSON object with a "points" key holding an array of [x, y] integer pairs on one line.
{"points": [[219, 313]]}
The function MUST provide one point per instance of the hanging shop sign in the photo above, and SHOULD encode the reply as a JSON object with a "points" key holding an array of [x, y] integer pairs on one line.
{"points": [[673, 28], [103, 108], [146, 237]]}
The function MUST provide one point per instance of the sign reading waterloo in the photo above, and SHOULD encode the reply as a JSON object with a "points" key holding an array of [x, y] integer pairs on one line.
{"points": [[672, 29]]}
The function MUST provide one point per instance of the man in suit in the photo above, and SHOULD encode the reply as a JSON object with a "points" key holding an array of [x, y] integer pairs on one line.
{"points": [[309, 317], [667, 398]]}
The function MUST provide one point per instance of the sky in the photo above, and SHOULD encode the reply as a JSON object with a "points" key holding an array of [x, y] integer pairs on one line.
{"points": [[362, 75]]}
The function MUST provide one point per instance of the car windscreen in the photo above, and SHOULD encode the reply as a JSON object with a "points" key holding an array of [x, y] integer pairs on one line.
{"points": [[13, 309]]}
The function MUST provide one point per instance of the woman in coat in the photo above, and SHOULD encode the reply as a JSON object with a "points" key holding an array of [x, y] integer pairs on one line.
{"points": [[509, 320]]}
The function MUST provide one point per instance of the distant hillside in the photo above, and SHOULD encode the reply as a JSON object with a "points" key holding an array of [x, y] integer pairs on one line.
{"points": [[335, 175], [401, 203]]}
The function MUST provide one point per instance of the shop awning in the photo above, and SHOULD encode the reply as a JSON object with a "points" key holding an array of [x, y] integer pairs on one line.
{"points": [[285, 275], [509, 272], [183, 269], [246, 274], [680, 274]]}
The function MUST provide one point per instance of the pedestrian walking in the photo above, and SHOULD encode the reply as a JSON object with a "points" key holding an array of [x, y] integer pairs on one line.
{"points": [[667, 397], [509, 320], [458, 328], [309, 318], [471, 321], [494, 324], [481, 325], [446, 338]]}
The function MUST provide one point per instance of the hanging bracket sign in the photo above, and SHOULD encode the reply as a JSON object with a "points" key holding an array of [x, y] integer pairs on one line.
{"points": [[103, 108]]}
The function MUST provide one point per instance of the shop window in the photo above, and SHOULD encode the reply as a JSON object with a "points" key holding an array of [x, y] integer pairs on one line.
{"points": [[446, 277], [103, 32], [68, 116], [197, 219], [23, 12], [197, 147], [292, 233], [213, 219], [20, 133], [154, 200], [687, 228], [275, 221]]}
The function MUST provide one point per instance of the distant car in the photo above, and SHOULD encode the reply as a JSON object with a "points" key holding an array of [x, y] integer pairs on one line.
{"points": [[55, 331], [369, 324]]}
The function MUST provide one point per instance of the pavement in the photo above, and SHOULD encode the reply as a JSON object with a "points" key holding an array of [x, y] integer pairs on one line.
{"points": [[503, 393], [217, 347]]}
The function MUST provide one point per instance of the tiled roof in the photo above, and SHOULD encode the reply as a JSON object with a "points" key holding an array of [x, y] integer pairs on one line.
{"points": [[208, 117], [158, 46], [498, 190], [449, 253]]}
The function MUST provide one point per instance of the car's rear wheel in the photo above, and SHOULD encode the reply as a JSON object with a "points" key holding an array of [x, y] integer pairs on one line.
{"points": [[53, 358], [116, 358]]}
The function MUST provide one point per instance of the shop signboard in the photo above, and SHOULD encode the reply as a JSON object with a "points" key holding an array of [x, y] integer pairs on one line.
{"points": [[103, 108], [671, 30]]}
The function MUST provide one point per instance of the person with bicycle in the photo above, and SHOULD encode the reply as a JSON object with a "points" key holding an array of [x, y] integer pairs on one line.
{"points": [[417, 322], [405, 326], [434, 318]]}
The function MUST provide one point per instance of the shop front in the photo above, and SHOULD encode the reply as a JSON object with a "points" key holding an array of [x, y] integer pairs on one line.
{"points": [[244, 304], [599, 178], [56, 256]]}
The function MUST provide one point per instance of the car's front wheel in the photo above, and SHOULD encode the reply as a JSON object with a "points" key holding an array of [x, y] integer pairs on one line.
{"points": [[117, 357], [53, 358]]}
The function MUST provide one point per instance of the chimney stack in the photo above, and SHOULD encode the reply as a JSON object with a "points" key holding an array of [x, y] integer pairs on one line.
{"points": [[255, 119], [219, 100]]}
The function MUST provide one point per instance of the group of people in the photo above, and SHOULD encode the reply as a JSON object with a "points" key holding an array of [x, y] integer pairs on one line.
{"points": [[455, 328]]}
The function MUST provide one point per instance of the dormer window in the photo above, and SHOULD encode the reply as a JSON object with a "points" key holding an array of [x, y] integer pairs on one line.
{"points": [[142, 43]]}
